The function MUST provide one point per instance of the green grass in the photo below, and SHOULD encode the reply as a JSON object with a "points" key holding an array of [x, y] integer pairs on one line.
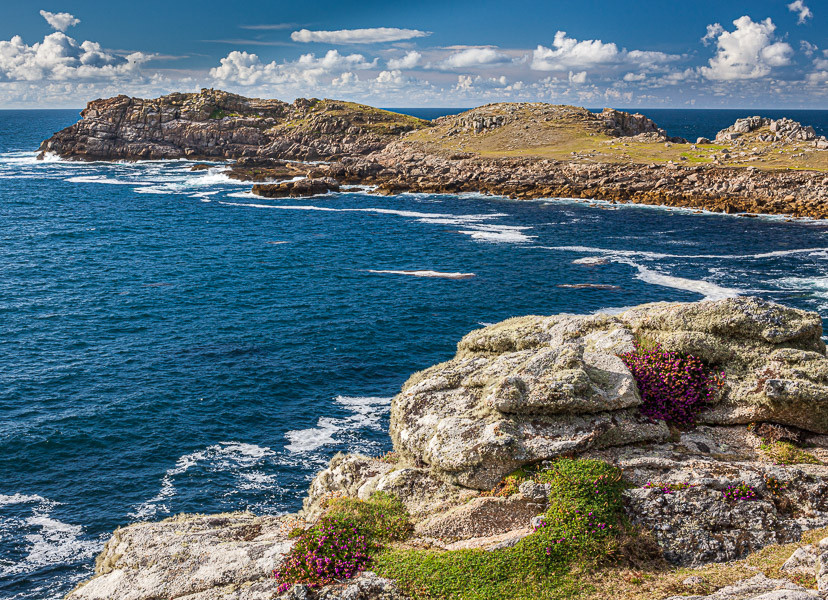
{"points": [[581, 530], [786, 453]]}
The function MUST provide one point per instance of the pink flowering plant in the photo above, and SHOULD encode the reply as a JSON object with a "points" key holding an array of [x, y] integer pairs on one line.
{"points": [[674, 387], [343, 542], [739, 492]]}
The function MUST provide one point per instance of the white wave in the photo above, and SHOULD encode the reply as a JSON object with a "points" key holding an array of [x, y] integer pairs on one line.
{"points": [[224, 456], [367, 411], [660, 255], [306, 440], [475, 225], [19, 499], [49, 541], [425, 274], [256, 480], [503, 236], [710, 291], [591, 260], [818, 286], [105, 180]]}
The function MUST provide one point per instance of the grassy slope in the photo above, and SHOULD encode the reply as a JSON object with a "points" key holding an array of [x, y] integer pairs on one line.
{"points": [[571, 137]]}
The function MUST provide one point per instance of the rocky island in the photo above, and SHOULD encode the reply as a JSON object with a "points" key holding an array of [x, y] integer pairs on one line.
{"points": [[519, 150], [675, 450]]}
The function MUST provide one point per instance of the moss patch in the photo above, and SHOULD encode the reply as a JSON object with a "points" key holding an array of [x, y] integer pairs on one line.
{"points": [[785, 453]]}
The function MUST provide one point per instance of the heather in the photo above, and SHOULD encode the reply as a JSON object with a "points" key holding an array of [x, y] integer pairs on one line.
{"points": [[343, 542], [674, 387]]}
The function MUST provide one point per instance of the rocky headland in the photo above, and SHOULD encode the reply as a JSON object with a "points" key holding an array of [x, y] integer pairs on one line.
{"points": [[521, 150], [533, 418]]}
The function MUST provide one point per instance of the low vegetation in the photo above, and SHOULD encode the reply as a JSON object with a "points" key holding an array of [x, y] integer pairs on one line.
{"points": [[673, 387], [786, 453], [582, 549]]}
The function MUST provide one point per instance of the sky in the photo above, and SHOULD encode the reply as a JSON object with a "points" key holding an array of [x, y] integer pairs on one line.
{"points": [[451, 53]]}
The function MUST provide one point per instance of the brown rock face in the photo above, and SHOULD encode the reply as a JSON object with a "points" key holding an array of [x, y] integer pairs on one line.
{"points": [[217, 125]]}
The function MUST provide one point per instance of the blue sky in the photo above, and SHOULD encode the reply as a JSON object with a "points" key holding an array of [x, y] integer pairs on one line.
{"points": [[706, 54]]}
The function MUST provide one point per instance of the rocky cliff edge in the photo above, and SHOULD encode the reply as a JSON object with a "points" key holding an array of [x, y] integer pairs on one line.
{"points": [[522, 394]]}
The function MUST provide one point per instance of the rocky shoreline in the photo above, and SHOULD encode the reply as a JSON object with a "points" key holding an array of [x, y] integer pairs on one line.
{"points": [[524, 394], [522, 151]]}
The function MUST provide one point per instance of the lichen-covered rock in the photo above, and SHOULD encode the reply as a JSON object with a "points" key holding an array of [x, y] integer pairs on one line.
{"points": [[368, 586], [197, 557], [759, 587], [533, 388], [213, 124], [359, 476]]}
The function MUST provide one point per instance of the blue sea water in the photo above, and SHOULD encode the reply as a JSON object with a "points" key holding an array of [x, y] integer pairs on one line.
{"points": [[170, 343]]}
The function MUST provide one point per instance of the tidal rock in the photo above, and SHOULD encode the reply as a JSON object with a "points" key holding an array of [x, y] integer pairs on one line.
{"points": [[295, 189]]}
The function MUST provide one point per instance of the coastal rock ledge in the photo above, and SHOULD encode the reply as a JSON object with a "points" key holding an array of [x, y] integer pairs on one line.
{"points": [[526, 392]]}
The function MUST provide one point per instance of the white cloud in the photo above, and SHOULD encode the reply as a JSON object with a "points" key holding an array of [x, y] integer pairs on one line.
{"points": [[808, 49], [713, 32], [633, 77], [60, 57], [749, 52], [577, 78], [409, 61], [569, 53], [474, 57], [246, 69], [59, 21], [803, 12], [358, 36]]}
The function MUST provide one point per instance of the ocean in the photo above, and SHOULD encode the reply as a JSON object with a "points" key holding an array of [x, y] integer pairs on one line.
{"points": [[171, 343]]}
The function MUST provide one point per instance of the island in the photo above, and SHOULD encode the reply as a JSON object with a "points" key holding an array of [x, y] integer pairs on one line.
{"points": [[517, 150]]}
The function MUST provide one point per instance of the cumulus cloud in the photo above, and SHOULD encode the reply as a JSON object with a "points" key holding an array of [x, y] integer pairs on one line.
{"points": [[803, 12], [567, 52], [59, 21], [577, 78], [409, 61], [246, 69], [358, 36], [60, 57], [748, 52], [474, 57], [808, 49]]}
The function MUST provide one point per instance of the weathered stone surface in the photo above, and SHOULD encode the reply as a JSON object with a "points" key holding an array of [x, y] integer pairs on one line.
{"points": [[360, 476], [368, 586], [803, 561], [203, 557], [757, 588], [533, 388], [295, 189], [214, 124]]}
